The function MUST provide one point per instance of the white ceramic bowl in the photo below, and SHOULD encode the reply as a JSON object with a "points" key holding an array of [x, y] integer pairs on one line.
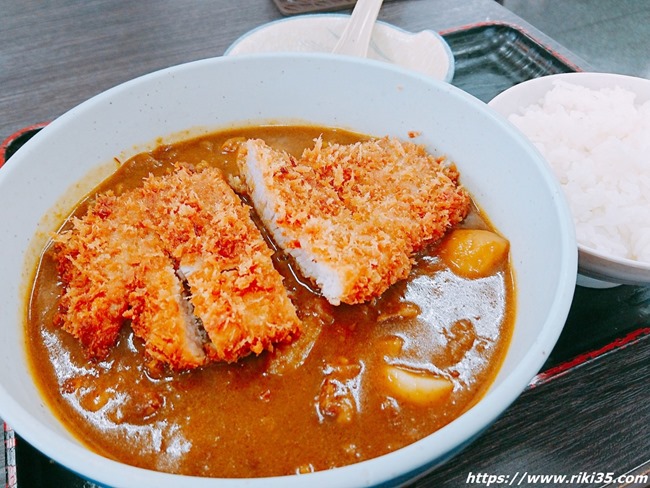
{"points": [[502, 170], [597, 269], [425, 52]]}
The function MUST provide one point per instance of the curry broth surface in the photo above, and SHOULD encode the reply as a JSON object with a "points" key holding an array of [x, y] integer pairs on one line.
{"points": [[271, 415]]}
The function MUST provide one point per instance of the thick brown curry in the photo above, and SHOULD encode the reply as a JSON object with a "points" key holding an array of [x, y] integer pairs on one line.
{"points": [[341, 394]]}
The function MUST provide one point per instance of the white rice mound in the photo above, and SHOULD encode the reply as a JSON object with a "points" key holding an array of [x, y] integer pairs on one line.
{"points": [[598, 144]]}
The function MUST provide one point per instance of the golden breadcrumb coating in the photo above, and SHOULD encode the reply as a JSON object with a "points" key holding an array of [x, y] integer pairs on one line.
{"points": [[353, 215], [234, 289], [181, 258]]}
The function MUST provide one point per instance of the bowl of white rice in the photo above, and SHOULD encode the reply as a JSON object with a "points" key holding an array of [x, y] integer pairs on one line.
{"points": [[594, 131]]}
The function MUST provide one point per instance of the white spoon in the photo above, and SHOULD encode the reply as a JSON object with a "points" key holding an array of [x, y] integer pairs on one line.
{"points": [[355, 39]]}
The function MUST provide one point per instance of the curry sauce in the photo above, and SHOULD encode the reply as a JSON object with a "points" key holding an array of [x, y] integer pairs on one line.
{"points": [[326, 400]]}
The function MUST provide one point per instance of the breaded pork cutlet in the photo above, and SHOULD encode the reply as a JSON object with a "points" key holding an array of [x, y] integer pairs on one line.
{"points": [[233, 287], [352, 216], [181, 258]]}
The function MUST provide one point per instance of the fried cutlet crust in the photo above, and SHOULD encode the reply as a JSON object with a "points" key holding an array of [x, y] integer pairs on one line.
{"points": [[362, 209], [234, 288], [181, 259]]}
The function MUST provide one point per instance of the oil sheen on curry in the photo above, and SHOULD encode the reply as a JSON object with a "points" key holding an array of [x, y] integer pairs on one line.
{"points": [[269, 301]]}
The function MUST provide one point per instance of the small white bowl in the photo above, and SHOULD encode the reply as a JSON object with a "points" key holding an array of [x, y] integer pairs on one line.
{"points": [[597, 269], [425, 51]]}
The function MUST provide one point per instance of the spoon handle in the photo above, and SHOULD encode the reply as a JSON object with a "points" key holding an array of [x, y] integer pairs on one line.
{"points": [[355, 39]]}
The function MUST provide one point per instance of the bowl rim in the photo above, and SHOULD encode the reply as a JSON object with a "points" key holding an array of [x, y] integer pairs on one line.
{"points": [[415, 458], [640, 265], [451, 61], [545, 79]]}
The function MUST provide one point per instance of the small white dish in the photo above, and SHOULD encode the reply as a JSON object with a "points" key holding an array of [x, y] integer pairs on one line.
{"points": [[596, 268], [425, 51]]}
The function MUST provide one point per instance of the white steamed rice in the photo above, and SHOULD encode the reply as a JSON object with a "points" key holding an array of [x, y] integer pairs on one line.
{"points": [[598, 144]]}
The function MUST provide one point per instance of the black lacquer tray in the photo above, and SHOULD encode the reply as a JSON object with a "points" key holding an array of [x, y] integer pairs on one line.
{"points": [[490, 58]]}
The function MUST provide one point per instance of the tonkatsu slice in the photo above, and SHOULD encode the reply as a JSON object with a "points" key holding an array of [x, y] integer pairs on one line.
{"points": [[182, 260], [352, 216]]}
